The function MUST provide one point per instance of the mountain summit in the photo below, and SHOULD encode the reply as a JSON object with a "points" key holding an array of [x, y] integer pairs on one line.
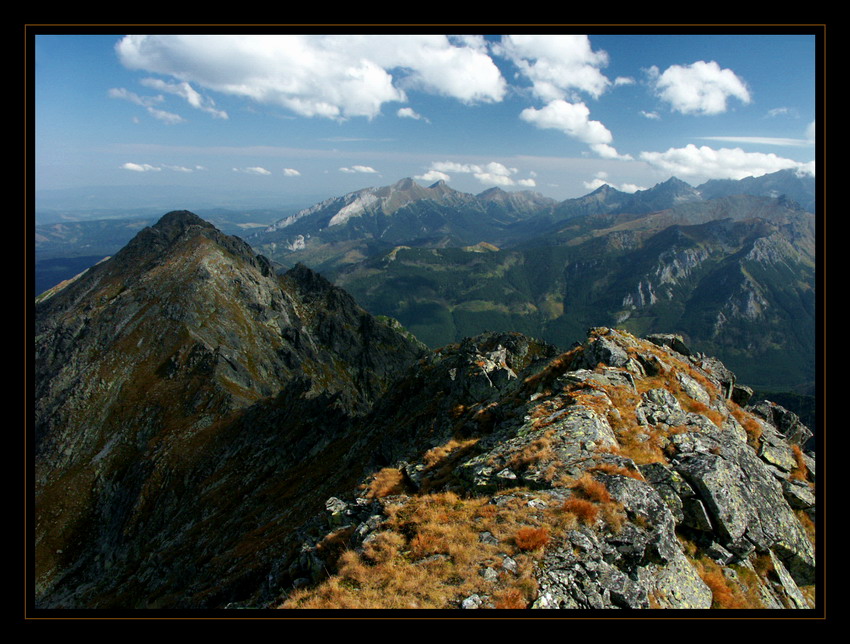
{"points": [[158, 368]]}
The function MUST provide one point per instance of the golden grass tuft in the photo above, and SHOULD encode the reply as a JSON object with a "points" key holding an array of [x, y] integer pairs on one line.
{"points": [[808, 526], [536, 451], [584, 510], [510, 598], [751, 426], [697, 407], [727, 594], [398, 569], [386, 482], [556, 367], [801, 471], [723, 595], [591, 489], [742, 593], [617, 470], [531, 538]]}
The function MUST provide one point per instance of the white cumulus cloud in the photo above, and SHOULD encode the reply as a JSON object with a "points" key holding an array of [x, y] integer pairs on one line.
{"points": [[433, 176], [557, 65], [573, 119], [291, 172], [699, 88], [410, 113], [491, 174], [365, 169], [601, 179], [253, 170], [332, 76], [148, 102], [726, 163], [141, 167], [188, 93]]}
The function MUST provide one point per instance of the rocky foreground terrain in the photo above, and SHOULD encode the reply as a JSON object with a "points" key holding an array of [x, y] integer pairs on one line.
{"points": [[626, 473], [211, 435]]}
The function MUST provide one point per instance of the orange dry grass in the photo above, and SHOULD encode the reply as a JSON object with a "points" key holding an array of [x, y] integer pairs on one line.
{"points": [[609, 468], [696, 407], [808, 526], [801, 472], [556, 367], [591, 489], [727, 594], [751, 426], [398, 569], [387, 481], [510, 598], [722, 594], [584, 510], [441, 460], [531, 538], [593, 500]]}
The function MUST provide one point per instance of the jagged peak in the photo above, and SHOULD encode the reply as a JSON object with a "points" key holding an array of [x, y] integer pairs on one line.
{"points": [[675, 182]]}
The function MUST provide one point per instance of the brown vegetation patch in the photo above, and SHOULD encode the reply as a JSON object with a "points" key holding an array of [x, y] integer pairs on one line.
{"points": [[556, 367], [750, 424], [740, 593], [535, 452], [801, 471], [428, 554], [386, 482], [617, 470], [531, 538], [584, 510]]}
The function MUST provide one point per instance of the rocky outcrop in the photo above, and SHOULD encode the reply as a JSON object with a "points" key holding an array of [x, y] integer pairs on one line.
{"points": [[645, 484]]}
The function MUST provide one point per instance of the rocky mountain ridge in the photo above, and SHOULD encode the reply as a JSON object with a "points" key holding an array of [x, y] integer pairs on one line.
{"points": [[153, 372], [211, 435], [626, 473], [437, 216]]}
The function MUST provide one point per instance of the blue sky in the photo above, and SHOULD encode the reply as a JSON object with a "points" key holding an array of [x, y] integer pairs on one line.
{"points": [[298, 118]]}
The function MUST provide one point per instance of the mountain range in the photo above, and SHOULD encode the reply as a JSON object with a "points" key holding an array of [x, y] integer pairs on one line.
{"points": [[212, 434], [730, 265]]}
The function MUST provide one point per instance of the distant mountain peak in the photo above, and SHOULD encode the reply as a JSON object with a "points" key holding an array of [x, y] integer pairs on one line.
{"points": [[404, 184], [675, 181], [604, 189], [495, 190]]}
